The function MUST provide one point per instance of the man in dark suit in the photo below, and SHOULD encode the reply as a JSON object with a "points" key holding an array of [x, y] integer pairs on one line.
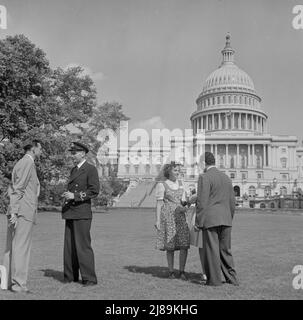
{"points": [[83, 185], [215, 211]]}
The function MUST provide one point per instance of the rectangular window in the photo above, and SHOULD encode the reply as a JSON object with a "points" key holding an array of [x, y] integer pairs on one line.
{"points": [[244, 175], [232, 175]]}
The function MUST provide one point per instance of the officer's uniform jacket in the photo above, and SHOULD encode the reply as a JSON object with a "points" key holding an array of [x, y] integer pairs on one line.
{"points": [[84, 183]]}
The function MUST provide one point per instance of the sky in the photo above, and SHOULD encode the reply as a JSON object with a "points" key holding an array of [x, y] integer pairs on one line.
{"points": [[153, 56]]}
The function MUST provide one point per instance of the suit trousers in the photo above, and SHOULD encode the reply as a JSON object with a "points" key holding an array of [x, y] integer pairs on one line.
{"points": [[78, 253], [218, 256], [17, 252]]}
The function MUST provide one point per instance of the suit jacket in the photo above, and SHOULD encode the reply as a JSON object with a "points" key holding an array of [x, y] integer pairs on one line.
{"points": [[85, 185], [215, 199], [25, 189]]}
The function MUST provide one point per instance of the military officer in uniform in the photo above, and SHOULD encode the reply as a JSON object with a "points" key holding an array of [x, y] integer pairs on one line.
{"points": [[83, 185]]}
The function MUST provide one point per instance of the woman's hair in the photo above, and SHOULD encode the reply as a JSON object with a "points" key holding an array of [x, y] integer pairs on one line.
{"points": [[168, 168]]}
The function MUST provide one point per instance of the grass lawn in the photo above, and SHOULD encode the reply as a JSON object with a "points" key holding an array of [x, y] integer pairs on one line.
{"points": [[265, 247]]}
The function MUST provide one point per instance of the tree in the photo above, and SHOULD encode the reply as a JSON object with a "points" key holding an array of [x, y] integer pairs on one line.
{"points": [[105, 116], [38, 102]]}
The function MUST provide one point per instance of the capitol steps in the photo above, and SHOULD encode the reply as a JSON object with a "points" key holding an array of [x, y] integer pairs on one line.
{"points": [[150, 199], [137, 196]]}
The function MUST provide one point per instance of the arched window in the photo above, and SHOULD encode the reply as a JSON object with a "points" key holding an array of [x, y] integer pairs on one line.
{"points": [[267, 191], [229, 99], [251, 191], [224, 99], [283, 191], [214, 101], [241, 99], [218, 100], [245, 100], [235, 99]]}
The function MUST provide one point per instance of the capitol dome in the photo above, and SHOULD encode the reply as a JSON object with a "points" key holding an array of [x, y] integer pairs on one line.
{"points": [[228, 100], [228, 76]]}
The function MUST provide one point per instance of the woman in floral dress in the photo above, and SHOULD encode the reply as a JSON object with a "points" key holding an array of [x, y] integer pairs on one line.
{"points": [[171, 225]]}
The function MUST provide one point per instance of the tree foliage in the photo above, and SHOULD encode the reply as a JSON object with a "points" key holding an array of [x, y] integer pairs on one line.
{"points": [[37, 101]]}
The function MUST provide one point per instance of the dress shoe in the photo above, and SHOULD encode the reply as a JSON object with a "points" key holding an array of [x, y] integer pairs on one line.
{"points": [[204, 278], [18, 289], [87, 283], [66, 280], [235, 283], [183, 276], [171, 275]]}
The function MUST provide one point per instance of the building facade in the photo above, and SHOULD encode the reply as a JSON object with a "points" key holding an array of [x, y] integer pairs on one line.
{"points": [[230, 122]]}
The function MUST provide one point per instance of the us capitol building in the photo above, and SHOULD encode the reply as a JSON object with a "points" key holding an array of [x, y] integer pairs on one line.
{"points": [[231, 119]]}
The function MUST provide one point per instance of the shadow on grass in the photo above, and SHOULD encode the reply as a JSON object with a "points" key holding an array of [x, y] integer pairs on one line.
{"points": [[162, 272], [57, 275]]}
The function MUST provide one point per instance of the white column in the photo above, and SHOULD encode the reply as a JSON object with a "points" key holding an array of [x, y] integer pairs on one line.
{"points": [[269, 155], [219, 121], [215, 153], [246, 122], [291, 157], [233, 121], [248, 155], [213, 121], [238, 157], [277, 157], [226, 156], [264, 155], [253, 155]]}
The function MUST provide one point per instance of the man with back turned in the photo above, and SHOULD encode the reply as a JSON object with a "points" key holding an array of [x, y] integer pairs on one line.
{"points": [[83, 185], [215, 211]]}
